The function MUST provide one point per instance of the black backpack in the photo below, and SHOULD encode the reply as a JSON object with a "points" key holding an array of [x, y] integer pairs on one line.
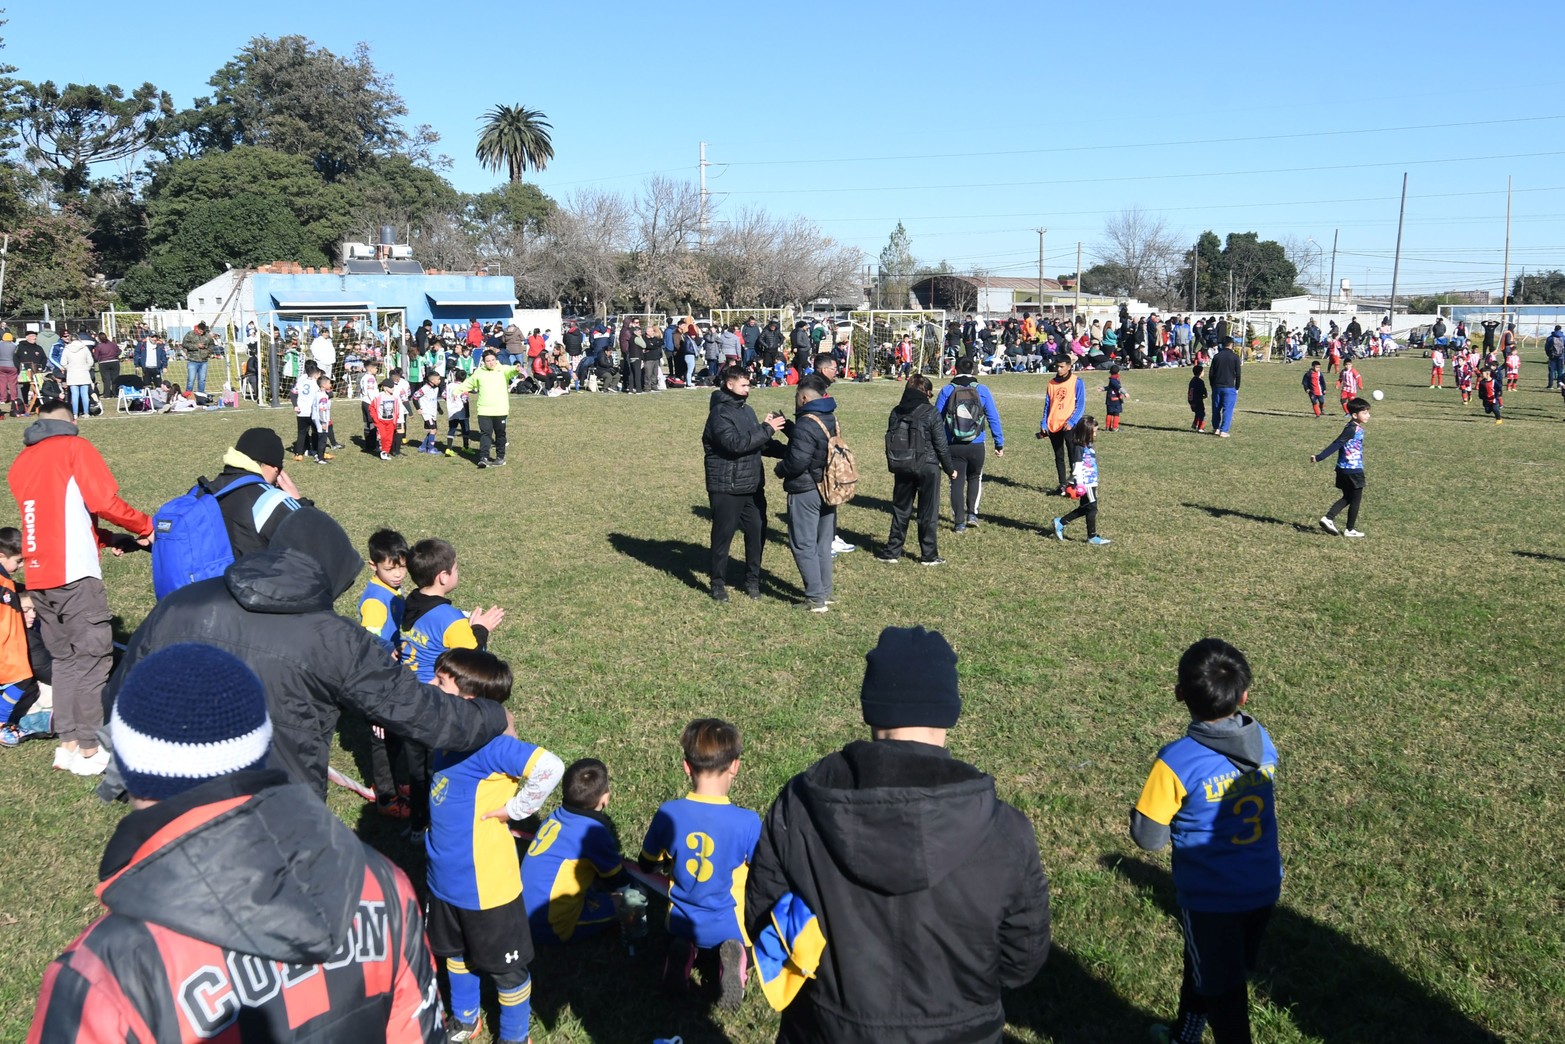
{"points": [[964, 413], [904, 444]]}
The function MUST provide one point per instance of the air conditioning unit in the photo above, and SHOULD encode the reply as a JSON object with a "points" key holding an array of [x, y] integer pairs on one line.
{"points": [[401, 251], [353, 251]]}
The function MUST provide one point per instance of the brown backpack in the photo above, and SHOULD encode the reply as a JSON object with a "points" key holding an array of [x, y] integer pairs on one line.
{"points": [[840, 476]]}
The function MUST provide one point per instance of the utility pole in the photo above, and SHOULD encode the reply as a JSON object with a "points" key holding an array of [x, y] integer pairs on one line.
{"points": [[1396, 264], [1076, 304], [1331, 287], [701, 228], [1195, 259], [1041, 232], [1505, 289], [1230, 291], [4, 249]]}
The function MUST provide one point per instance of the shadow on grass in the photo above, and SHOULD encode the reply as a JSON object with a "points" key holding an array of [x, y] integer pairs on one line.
{"points": [[1006, 480], [1539, 556], [1068, 1004], [1217, 512], [1163, 427], [688, 562], [1333, 989], [877, 504], [615, 995]]}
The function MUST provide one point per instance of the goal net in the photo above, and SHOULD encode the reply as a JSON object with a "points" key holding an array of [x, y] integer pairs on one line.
{"points": [[726, 317], [877, 332]]}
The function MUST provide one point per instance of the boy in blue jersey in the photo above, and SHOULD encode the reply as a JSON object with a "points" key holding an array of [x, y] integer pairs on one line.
{"points": [[477, 921], [1211, 793], [380, 613], [574, 861], [706, 844], [430, 626]]}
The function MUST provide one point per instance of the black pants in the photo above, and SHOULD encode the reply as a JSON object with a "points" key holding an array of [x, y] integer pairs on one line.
{"points": [[924, 488], [457, 422], [1088, 509], [632, 381], [1220, 951], [968, 486], [304, 436], [110, 372], [491, 429], [1352, 487], [1059, 440], [731, 513]]}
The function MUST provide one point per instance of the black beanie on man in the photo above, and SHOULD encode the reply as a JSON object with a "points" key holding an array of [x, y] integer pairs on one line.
{"points": [[910, 681], [262, 445]]}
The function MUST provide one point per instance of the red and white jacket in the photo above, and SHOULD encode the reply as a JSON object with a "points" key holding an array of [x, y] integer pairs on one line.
{"points": [[62, 488]]}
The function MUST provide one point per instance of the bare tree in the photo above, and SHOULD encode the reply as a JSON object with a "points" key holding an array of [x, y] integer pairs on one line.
{"points": [[667, 219], [590, 236], [1145, 252]]}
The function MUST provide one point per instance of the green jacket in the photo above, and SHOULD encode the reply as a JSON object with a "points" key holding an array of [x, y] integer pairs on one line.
{"points": [[492, 388], [198, 347]]}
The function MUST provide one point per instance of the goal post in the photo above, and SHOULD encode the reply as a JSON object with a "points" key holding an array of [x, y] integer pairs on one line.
{"points": [[876, 333], [726, 317]]}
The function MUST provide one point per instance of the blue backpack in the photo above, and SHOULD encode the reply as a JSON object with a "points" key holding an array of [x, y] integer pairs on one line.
{"points": [[191, 540]]}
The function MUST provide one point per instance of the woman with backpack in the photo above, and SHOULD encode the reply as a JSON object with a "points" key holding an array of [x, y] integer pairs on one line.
{"points": [[969, 413], [916, 454]]}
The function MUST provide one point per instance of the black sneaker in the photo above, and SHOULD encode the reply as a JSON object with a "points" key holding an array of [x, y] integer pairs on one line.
{"points": [[753, 591], [730, 972], [719, 592], [482, 462], [499, 462]]}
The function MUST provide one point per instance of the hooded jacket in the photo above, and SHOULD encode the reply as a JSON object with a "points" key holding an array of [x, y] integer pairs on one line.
{"points": [[805, 458], [732, 443], [251, 513], [934, 450], [927, 887], [244, 905], [986, 397], [62, 487], [273, 610]]}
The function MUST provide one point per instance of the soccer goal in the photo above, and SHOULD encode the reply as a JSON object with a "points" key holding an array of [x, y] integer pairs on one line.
{"points": [[726, 317], [649, 320], [877, 332]]}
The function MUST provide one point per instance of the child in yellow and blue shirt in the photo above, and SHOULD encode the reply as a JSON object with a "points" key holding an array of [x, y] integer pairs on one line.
{"points": [[477, 920], [706, 842], [574, 861], [380, 613], [1211, 793]]}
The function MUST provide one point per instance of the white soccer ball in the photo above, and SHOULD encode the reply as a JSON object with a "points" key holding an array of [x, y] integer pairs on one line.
{"points": [[1377, 395]]}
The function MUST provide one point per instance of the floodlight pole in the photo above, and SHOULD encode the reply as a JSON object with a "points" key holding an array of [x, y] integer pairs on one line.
{"points": [[1396, 265]]}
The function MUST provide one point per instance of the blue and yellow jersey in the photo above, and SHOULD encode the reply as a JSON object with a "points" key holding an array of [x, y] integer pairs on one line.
{"points": [[1223, 823], [423, 640], [472, 861], [571, 853], [709, 841], [380, 612]]}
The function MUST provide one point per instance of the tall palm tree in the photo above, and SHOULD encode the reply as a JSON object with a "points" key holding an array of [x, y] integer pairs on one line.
{"points": [[515, 138]]}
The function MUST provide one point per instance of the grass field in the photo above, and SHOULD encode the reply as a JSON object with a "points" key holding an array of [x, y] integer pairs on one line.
{"points": [[1410, 680]]}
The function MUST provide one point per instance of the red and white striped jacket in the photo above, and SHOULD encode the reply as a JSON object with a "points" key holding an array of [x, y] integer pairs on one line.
{"points": [[62, 487]]}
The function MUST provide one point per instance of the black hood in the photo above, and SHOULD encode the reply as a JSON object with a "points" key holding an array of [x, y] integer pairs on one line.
{"points": [[898, 817], [277, 876], [911, 400], [318, 535], [283, 582], [1237, 738]]}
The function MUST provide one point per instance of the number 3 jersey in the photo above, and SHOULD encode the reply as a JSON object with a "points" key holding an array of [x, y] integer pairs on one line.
{"points": [[710, 842], [1211, 791]]}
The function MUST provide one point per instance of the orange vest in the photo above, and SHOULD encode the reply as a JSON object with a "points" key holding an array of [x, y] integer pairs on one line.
{"points": [[14, 663], [1062, 402]]}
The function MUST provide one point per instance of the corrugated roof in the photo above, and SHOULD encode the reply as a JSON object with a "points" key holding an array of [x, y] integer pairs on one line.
{"points": [[996, 282]]}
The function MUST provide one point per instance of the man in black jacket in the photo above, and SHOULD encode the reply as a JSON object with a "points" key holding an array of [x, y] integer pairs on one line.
{"points": [[1223, 376], [812, 523], [916, 455], [273, 609], [926, 885], [733, 443], [253, 510]]}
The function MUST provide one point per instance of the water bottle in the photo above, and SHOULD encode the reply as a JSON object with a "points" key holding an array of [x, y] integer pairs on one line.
{"points": [[633, 918]]}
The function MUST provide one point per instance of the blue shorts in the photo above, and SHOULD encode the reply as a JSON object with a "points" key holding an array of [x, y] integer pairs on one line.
{"points": [[597, 913]]}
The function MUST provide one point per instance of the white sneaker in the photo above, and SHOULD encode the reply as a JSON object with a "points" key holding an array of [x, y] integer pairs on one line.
{"points": [[840, 546], [1355, 534], [65, 758], [92, 766], [1329, 526]]}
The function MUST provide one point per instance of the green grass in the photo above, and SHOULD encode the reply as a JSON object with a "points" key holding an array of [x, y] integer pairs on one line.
{"points": [[1410, 681]]}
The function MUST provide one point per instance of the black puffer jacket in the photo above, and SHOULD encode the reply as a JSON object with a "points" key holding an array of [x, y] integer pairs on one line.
{"points": [[805, 458], [273, 610], [929, 426], [733, 441], [926, 885]]}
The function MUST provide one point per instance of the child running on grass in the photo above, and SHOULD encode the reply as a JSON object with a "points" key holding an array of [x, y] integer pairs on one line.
{"points": [[1464, 379], [1348, 385], [705, 843], [1210, 792], [1195, 395], [477, 921], [1084, 473], [1349, 448], [1490, 395], [1315, 387]]}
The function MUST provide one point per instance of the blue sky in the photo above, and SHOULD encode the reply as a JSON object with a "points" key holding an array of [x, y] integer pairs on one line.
{"points": [[971, 124]]}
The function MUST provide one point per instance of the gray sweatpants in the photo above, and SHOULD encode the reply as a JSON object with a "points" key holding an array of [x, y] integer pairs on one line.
{"points": [[73, 622], [811, 527]]}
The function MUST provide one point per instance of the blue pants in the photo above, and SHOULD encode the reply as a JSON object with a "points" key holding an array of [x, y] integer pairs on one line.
{"points": [[1223, 402], [1556, 370], [80, 399], [195, 374]]}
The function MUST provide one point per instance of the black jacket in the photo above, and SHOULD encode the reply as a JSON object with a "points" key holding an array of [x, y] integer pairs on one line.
{"points": [[1224, 371], [252, 513], [805, 458], [273, 610], [929, 428], [246, 875], [927, 887], [733, 442]]}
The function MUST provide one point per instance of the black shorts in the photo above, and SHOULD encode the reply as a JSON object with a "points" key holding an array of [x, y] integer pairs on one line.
{"points": [[1348, 481], [497, 941], [430, 425]]}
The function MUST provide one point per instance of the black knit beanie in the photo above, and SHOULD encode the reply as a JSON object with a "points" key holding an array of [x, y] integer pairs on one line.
{"points": [[910, 681]]}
